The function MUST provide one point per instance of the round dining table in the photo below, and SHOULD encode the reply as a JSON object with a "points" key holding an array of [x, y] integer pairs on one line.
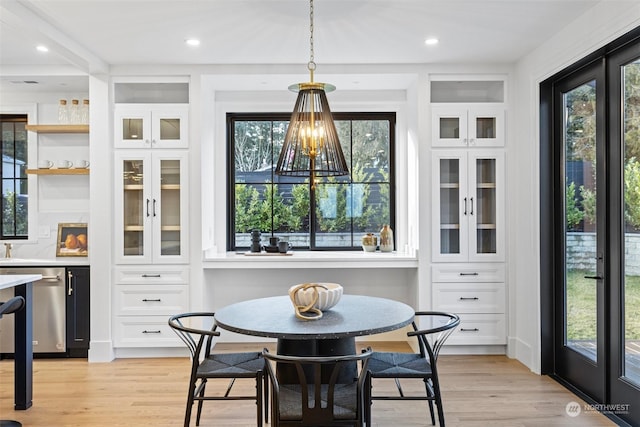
{"points": [[332, 334]]}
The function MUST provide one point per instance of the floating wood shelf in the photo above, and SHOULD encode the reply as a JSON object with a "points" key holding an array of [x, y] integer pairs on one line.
{"points": [[58, 171], [58, 128]]}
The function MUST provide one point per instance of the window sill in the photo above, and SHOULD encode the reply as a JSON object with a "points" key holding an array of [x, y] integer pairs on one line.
{"points": [[307, 259]]}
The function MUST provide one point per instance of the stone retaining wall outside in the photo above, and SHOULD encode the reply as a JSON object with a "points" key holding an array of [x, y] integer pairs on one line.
{"points": [[581, 252]]}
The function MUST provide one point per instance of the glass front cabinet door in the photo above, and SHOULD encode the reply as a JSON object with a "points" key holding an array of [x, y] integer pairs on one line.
{"points": [[159, 126], [468, 206], [459, 126], [151, 207]]}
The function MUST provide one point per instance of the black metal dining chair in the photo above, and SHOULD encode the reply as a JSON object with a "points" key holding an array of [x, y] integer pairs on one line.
{"points": [[316, 397], [206, 365], [11, 306], [436, 328]]}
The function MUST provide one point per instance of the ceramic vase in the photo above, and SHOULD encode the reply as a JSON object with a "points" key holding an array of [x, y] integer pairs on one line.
{"points": [[369, 242], [386, 239]]}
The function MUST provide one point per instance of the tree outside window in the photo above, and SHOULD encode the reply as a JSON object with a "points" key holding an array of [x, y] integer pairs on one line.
{"points": [[333, 215]]}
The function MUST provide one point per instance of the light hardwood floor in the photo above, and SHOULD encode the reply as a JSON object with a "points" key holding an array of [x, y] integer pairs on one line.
{"points": [[478, 391]]}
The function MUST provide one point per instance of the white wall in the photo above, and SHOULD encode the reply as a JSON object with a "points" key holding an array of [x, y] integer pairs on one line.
{"points": [[600, 25]]}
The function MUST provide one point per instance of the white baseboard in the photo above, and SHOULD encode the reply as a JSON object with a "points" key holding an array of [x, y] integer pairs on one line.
{"points": [[101, 351], [474, 349], [149, 352]]}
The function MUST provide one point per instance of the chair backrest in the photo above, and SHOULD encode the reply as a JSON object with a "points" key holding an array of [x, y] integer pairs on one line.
{"points": [[195, 338], [318, 397], [437, 326], [11, 306]]}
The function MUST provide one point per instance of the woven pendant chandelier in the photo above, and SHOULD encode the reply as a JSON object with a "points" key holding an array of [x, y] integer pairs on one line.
{"points": [[311, 146]]}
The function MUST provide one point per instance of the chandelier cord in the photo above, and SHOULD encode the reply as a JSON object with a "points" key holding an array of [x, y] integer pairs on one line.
{"points": [[311, 65]]}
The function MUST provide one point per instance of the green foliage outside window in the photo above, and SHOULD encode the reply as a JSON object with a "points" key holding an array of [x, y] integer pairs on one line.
{"points": [[345, 207], [632, 193], [572, 212], [14, 214], [581, 139]]}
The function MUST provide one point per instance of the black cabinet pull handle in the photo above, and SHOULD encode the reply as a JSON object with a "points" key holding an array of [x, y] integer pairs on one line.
{"points": [[148, 207], [469, 298], [150, 275], [151, 332], [468, 274], [154, 207], [465, 206], [151, 300], [469, 329], [471, 200]]}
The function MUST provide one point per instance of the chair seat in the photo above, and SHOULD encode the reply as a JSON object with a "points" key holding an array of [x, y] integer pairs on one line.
{"points": [[345, 401], [398, 365], [224, 365]]}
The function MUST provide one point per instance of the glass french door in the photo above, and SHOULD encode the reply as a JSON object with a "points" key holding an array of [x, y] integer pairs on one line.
{"points": [[596, 231], [580, 310], [625, 328]]}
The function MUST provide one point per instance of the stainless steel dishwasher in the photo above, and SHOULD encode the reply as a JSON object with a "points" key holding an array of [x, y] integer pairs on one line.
{"points": [[49, 313]]}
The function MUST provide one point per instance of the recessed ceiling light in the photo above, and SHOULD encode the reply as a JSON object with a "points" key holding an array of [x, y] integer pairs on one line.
{"points": [[42, 48], [192, 42], [431, 41]]}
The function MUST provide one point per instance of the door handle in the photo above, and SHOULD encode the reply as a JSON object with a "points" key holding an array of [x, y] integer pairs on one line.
{"points": [[465, 206], [148, 207], [69, 286], [471, 200], [594, 277], [154, 207]]}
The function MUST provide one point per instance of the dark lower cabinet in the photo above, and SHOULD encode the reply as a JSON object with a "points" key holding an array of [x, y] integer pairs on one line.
{"points": [[78, 314]]}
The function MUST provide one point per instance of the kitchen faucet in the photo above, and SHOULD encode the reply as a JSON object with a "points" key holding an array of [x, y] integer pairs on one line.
{"points": [[7, 250]]}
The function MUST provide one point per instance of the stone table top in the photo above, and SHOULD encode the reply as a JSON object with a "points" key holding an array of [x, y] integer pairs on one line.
{"points": [[353, 315]]}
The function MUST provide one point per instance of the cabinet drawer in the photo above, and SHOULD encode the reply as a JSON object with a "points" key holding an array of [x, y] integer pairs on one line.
{"points": [[488, 329], [468, 273], [469, 297], [147, 331], [148, 300], [151, 275]]}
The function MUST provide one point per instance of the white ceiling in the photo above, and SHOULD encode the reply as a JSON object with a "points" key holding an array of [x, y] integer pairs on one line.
{"points": [[91, 35]]}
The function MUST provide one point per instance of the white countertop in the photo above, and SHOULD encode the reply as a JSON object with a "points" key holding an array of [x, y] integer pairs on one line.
{"points": [[36, 262], [313, 259], [11, 280]]}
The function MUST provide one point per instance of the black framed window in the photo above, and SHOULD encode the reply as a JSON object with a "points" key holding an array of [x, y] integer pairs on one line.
{"points": [[15, 194], [337, 212]]}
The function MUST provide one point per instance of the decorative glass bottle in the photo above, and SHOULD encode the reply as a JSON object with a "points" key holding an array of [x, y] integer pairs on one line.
{"points": [[74, 112], [84, 112], [386, 239], [63, 112]]}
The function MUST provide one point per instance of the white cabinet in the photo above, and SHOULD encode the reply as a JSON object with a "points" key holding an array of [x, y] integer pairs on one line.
{"points": [[151, 125], [476, 292], [464, 126], [151, 207], [468, 206], [144, 298]]}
